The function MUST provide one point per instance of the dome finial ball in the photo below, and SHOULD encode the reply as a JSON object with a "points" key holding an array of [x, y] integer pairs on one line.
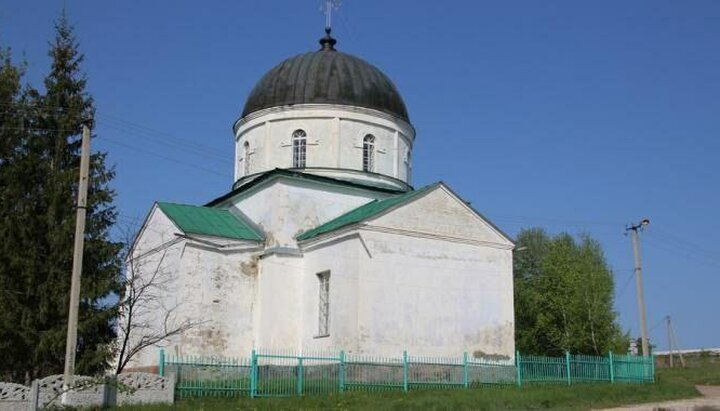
{"points": [[327, 43]]}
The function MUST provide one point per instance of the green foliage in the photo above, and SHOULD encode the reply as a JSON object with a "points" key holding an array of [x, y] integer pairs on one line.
{"points": [[564, 296], [39, 171], [11, 286]]}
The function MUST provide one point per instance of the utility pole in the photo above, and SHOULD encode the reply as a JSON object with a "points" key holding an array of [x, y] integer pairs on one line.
{"points": [[638, 282], [672, 338], [71, 343], [670, 342]]}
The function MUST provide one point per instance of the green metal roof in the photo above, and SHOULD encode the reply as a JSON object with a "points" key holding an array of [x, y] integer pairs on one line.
{"points": [[210, 221], [363, 212]]}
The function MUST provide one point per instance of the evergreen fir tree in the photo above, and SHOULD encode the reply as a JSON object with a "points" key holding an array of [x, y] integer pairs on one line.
{"points": [[13, 210], [43, 224]]}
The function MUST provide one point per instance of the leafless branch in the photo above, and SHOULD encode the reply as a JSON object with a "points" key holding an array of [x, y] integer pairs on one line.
{"points": [[145, 317]]}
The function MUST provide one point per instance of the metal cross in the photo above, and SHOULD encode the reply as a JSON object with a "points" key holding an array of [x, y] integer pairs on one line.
{"points": [[329, 6]]}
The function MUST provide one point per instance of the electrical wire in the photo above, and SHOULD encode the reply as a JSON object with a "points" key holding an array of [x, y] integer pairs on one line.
{"points": [[159, 133], [153, 153], [165, 139], [654, 243], [678, 242], [624, 287]]}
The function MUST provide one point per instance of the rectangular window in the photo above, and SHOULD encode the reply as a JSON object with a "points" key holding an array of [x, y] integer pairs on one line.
{"points": [[324, 304]]}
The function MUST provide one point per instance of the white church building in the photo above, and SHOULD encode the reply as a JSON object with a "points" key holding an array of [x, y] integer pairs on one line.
{"points": [[323, 242]]}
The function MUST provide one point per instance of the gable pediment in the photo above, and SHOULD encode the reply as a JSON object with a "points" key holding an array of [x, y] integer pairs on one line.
{"points": [[439, 212]]}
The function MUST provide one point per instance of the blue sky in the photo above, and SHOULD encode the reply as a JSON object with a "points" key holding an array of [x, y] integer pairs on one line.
{"points": [[573, 116]]}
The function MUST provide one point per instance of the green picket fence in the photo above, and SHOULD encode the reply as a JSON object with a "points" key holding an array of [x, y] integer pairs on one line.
{"points": [[208, 376], [273, 373]]}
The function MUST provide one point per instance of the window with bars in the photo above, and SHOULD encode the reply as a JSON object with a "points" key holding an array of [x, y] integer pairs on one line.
{"points": [[324, 304], [246, 158], [299, 147], [369, 153]]}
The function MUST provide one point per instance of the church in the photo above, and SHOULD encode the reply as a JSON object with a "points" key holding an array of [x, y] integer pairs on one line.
{"points": [[323, 242]]}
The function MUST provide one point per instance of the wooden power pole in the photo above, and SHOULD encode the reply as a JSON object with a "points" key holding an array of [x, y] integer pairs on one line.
{"points": [[71, 344]]}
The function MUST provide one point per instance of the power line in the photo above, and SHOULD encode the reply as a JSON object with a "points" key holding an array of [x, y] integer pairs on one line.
{"points": [[38, 129], [186, 164], [165, 138], [520, 218], [127, 126], [679, 242], [129, 146], [154, 131], [655, 243], [165, 145], [627, 282], [657, 324]]}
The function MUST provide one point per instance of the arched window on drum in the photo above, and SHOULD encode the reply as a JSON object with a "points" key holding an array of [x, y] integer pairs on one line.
{"points": [[369, 153], [246, 158], [299, 147]]}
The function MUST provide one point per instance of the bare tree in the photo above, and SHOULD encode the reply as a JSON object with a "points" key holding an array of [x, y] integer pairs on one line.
{"points": [[147, 317]]}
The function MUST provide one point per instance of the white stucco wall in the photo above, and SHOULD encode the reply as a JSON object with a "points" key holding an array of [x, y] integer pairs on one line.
{"points": [[440, 213], [343, 259], [285, 207], [334, 142], [219, 290], [279, 321], [435, 297], [157, 252], [428, 296], [430, 276], [208, 281]]}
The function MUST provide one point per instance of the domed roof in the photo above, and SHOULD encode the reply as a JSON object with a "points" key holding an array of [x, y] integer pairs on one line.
{"points": [[326, 76]]}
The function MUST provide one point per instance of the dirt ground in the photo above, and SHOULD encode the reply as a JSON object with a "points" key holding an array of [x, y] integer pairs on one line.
{"points": [[710, 401]]}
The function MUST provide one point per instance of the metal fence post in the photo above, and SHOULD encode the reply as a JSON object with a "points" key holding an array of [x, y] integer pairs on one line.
{"points": [[466, 382], [612, 367], [300, 376], [567, 365], [161, 365], [253, 374], [405, 370], [341, 371], [652, 366], [517, 365]]}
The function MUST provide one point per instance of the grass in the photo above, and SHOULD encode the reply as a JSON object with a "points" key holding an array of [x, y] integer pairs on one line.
{"points": [[539, 397], [701, 370], [671, 384]]}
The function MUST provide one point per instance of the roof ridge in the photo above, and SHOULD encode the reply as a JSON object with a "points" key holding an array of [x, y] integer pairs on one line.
{"points": [[259, 178], [174, 203]]}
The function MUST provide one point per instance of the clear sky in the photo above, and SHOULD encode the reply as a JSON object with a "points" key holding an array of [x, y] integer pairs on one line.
{"points": [[573, 116]]}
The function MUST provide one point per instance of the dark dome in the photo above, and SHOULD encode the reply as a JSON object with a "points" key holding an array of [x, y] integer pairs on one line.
{"points": [[330, 77]]}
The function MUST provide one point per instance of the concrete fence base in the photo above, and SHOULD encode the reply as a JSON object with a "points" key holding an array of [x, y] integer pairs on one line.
{"points": [[124, 389]]}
